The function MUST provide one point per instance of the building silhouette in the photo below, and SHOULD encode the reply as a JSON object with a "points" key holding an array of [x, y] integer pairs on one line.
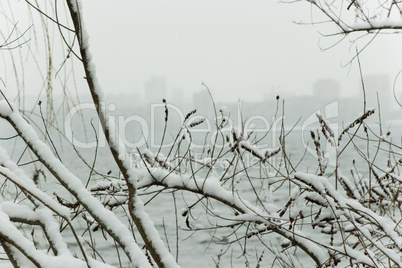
{"points": [[155, 89], [326, 90], [378, 85]]}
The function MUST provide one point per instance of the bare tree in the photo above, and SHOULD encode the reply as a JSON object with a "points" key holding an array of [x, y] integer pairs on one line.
{"points": [[357, 216]]}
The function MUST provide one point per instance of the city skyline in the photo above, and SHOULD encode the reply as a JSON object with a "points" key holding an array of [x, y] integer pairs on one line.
{"points": [[323, 89], [238, 58]]}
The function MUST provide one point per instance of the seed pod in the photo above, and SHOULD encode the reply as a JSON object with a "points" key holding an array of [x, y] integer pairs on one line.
{"points": [[190, 114]]}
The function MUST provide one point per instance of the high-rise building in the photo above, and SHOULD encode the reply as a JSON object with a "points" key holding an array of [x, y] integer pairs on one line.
{"points": [[177, 97], [378, 84], [203, 103], [155, 89], [326, 90]]}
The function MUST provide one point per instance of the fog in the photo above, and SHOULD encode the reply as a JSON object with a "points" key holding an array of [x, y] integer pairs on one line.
{"points": [[247, 50], [240, 49]]}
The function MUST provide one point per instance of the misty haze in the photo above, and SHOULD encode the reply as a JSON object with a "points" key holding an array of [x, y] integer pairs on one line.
{"points": [[200, 133]]}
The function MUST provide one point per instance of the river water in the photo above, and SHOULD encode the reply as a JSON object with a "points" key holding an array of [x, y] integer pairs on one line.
{"points": [[199, 248]]}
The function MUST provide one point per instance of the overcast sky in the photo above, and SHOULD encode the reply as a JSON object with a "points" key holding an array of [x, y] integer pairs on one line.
{"points": [[240, 49]]}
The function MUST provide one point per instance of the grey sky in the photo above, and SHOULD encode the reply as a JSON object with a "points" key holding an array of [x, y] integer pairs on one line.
{"points": [[240, 49]]}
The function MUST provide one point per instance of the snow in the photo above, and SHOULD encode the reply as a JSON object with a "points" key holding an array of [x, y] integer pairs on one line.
{"points": [[327, 197], [368, 18], [74, 185], [357, 255], [19, 211], [396, 177], [322, 192], [210, 187], [383, 23], [316, 198], [10, 170], [41, 216], [151, 234], [298, 205], [195, 121], [323, 186], [393, 256], [349, 187], [103, 216], [13, 236], [115, 200], [327, 131], [386, 225], [236, 142], [311, 180], [252, 149]]}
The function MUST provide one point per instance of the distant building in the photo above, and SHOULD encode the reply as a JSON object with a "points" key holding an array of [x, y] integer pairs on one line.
{"points": [[378, 83], [155, 89], [202, 102], [201, 98], [326, 90], [177, 97]]}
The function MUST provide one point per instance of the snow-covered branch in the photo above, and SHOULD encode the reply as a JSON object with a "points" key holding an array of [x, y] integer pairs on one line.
{"points": [[154, 244], [239, 193], [104, 217], [361, 16]]}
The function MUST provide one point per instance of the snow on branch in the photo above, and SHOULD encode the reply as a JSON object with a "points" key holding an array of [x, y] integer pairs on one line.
{"points": [[354, 212], [361, 16], [117, 148], [211, 187], [24, 252], [103, 216], [40, 216]]}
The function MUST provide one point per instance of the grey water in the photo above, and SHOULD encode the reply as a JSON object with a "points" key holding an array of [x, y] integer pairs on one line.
{"points": [[195, 248]]}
